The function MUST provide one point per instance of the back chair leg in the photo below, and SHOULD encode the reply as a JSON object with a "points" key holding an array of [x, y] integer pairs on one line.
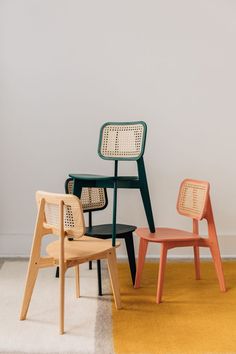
{"points": [[161, 272], [197, 262], [57, 273], [62, 299], [129, 242], [145, 194], [113, 272], [77, 281], [90, 265], [29, 287], [141, 259], [99, 277], [218, 266]]}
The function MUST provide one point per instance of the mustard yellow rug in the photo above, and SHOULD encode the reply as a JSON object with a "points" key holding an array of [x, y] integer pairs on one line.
{"points": [[194, 317]]}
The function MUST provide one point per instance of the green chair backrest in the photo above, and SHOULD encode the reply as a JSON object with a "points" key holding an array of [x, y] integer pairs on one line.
{"points": [[122, 140], [92, 199]]}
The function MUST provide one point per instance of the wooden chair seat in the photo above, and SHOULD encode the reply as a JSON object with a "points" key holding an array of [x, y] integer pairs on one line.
{"points": [[164, 234], [83, 249]]}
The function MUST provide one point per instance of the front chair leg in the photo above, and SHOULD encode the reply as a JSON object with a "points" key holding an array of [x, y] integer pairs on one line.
{"points": [[113, 272], [129, 242], [141, 259], [29, 287], [215, 252], [161, 272]]}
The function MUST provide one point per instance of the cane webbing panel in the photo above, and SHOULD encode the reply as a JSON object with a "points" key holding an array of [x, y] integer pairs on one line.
{"points": [[125, 141], [73, 213], [193, 198], [91, 198], [52, 216]]}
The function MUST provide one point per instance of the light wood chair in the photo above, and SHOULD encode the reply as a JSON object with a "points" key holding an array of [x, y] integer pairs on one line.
{"points": [[194, 202], [95, 199], [62, 215]]}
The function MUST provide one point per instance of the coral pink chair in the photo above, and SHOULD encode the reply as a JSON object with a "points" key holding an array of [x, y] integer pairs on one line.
{"points": [[194, 202]]}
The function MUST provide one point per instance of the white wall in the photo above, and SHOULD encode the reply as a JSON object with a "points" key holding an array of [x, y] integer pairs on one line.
{"points": [[68, 66]]}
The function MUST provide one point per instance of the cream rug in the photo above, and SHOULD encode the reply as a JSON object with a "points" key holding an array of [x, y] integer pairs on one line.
{"points": [[87, 319]]}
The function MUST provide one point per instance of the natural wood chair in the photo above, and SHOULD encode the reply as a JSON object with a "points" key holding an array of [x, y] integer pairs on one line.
{"points": [[194, 202], [62, 215], [95, 199]]}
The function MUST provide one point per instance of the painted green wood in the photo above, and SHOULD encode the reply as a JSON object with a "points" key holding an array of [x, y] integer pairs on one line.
{"points": [[106, 230], [145, 194], [123, 158]]}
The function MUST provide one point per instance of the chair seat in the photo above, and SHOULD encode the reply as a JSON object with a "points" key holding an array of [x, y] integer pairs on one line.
{"points": [[106, 230], [81, 249], [166, 234], [91, 177]]}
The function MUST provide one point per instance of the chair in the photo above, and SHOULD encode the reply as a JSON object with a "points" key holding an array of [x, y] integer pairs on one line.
{"points": [[193, 202], [120, 142], [62, 215], [94, 199]]}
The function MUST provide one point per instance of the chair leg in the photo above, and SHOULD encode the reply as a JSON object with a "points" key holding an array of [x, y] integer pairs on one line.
{"points": [[57, 273], [141, 259], [129, 242], [197, 262], [77, 281], [113, 272], [62, 299], [99, 277], [218, 266], [145, 194], [161, 272], [29, 287], [90, 265]]}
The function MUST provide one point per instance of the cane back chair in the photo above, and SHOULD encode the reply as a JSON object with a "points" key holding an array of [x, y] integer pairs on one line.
{"points": [[122, 141], [94, 199], [62, 215], [193, 202]]}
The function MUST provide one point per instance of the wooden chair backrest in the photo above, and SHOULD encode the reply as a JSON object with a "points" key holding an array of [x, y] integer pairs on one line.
{"points": [[193, 199], [72, 213], [122, 141], [92, 199]]}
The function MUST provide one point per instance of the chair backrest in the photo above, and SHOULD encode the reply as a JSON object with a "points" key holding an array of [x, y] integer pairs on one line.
{"points": [[72, 212], [193, 198], [122, 141], [92, 199]]}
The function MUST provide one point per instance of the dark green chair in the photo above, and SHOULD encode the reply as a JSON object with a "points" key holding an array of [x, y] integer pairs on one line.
{"points": [[122, 141], [94, 199]]}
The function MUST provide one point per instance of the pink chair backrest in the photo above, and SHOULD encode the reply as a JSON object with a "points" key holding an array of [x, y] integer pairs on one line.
{"points": [[193, 198]]}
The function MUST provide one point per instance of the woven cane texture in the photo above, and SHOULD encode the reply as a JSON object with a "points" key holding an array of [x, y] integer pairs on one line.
{"points": [[122, 141], [91, 198], [193, 198], [73, 213]]}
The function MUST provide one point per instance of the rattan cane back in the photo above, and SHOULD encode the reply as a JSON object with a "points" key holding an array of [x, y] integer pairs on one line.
{"points": [[73, 213], [92, 199], [122, 141], [193, 198]]}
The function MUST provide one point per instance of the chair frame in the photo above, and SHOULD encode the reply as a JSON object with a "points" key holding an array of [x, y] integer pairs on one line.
{"points": [[128, 237], [115, 182], [196, 241], [37, 261]]}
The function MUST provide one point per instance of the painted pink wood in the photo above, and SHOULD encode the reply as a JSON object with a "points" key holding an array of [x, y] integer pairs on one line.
{"points": [[171, 238]]}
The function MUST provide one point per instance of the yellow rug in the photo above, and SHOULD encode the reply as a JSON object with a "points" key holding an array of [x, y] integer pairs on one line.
{"points": [[194, 317]]}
